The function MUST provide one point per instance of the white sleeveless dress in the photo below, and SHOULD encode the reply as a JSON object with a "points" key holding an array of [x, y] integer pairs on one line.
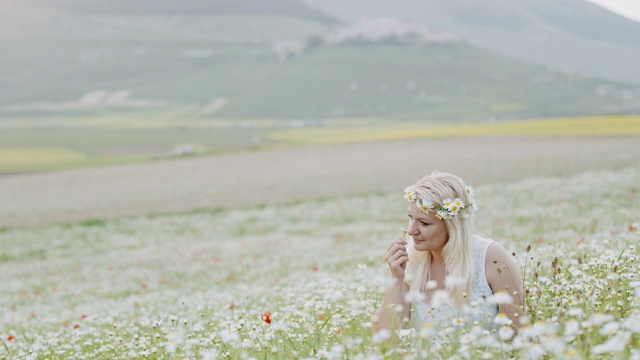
{"points": [[480, 310]]}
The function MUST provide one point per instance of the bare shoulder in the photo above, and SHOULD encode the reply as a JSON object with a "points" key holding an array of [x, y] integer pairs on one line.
{"points": [[496, 252]]}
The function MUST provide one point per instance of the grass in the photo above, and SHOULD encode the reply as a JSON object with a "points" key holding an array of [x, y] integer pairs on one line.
{"points": [[13, 158], [108, 140], [302, 280], [36, 159], [583, 126]]}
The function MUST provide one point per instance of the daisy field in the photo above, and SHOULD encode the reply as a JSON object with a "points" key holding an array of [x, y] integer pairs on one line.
{"points": [[302, 280]]}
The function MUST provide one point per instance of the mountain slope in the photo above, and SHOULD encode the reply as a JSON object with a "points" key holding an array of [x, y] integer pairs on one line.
{"points": [[59, 50], [453, 82], [68, 57], [173, 7], [569, 35]]}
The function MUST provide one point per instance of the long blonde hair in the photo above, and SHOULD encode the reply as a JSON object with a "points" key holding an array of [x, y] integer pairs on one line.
{"points": [[458, 252]]}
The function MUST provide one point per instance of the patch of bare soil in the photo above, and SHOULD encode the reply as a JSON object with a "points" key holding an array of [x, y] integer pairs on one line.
{"points": [[284, 175]]}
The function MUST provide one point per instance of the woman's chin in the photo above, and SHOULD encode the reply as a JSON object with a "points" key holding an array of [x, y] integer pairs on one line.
{"points": [[420, 245]]}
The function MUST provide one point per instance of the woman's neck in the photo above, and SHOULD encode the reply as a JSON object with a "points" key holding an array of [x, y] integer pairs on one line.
{"points": [[437, 257]]}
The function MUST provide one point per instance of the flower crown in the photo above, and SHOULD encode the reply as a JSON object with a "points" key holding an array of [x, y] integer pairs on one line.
{"points": [[449, 207]]}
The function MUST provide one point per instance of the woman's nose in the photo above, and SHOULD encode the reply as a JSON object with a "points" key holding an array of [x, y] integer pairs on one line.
{"points": [[413, 229]]}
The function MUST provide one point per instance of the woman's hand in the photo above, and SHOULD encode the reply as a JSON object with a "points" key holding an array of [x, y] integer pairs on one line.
{"points": [[397, 257]]}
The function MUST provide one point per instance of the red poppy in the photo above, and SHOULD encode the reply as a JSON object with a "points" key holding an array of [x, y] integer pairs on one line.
{"points": [[266, 317], [11, 337], [84, 316], [76, 327]]}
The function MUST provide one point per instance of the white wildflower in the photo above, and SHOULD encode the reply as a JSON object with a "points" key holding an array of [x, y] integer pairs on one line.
{"points": [[381, 336], [409, 194], [502, 319], [500, 297], [451, 282], [431, 285], [505, 333], [615, 344], [439, 298], [415, 296]]}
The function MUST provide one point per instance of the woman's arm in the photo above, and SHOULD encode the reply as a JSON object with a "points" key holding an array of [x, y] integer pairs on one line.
{"points": [[503, 275], [387, 315]]}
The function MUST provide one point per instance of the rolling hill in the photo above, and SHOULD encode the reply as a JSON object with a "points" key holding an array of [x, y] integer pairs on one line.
{"points": [[573, 36], [267, 59], [451, 82]]}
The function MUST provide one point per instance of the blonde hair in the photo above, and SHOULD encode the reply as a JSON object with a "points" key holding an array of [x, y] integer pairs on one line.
{"points": [[458, 252]]}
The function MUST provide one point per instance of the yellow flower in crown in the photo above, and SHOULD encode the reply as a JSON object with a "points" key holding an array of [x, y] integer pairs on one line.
{"points": [[442, 214], [456, 205], [470, 191], [448, 203], [409, 194], [425, 206], [448, 209]]}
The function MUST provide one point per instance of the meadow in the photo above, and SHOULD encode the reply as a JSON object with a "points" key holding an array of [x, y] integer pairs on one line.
{"points": [[32, 144], [302, 280]]}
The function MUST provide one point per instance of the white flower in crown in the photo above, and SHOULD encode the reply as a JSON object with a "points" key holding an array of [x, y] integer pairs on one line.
{"points": [[473, 208], [425, 206], [409, 194], [448, 209], [447, 203], [443, 214], [470, 191], [456, 206]]}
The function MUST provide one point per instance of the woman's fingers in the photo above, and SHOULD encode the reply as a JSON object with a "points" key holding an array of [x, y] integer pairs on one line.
{"points": [[399, 264], [395, 242], [396, 256], [396, 247], [398, 253]]}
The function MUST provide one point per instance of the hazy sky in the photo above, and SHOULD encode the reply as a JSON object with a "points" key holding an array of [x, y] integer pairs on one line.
{"points": [[628, 8]]}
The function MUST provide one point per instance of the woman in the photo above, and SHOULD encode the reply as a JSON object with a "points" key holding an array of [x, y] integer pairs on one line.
{"points": [[446, 274]]}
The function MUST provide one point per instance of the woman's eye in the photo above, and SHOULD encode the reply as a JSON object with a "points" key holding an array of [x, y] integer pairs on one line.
{"points": [[423, 223]]}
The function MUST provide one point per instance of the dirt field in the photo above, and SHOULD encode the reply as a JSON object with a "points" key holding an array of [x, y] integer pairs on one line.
{"points": [[278, 176]]}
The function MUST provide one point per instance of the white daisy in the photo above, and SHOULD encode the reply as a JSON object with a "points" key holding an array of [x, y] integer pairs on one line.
{"points": [[442, 214], [473, 208], [505, 333], [409, 194], [500, 297], [502, 319], [456, 205], [470, 191], [425, 206]]}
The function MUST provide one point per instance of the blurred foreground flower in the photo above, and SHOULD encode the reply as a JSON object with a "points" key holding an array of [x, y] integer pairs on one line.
{"points": [[266, 317]]}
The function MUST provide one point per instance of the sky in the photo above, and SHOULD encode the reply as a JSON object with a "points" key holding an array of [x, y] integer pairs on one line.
{"points": [[627, 8]]}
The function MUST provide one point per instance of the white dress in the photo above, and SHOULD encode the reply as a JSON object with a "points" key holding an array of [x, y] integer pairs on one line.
{"points": [[480, 310]]}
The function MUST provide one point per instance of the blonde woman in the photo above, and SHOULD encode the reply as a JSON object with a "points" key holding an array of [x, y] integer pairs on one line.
{"points": [[445, 273]]}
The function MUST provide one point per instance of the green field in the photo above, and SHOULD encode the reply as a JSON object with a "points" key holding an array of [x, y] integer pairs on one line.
{"points": [[303, 280], [585, 126], [29, 145]]}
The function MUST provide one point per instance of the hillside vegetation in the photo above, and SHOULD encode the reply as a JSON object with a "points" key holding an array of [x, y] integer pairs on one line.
{"points": [[250, 59], [573, 36]]}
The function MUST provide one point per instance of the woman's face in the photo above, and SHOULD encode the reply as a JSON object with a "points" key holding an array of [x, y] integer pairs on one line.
{"points": [[428, 232]]}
